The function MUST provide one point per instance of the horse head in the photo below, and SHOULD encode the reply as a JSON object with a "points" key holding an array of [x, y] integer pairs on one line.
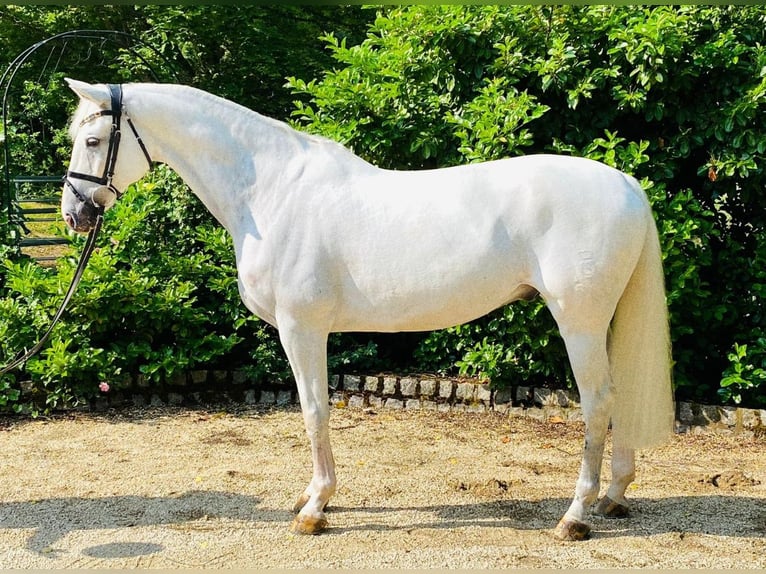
{"points": [[103, 163]]}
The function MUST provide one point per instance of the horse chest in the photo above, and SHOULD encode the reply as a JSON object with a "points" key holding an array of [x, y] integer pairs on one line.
{"points": [[255, 285], [258, 301], [284, 279]]}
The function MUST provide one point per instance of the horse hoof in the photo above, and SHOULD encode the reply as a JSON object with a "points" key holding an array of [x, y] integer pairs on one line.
{"points": [[608, 508], [300, 503], [568, 529], [308, 524]]}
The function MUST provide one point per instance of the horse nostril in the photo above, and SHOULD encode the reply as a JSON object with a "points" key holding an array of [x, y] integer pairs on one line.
{"points": [[69, 220]]}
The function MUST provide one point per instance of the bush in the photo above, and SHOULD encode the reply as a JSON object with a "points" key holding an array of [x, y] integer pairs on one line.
{"points": [[673, 95], [159, 299]]}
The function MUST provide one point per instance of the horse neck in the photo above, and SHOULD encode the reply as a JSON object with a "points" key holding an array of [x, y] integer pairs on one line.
{"points": [[231, 158]]}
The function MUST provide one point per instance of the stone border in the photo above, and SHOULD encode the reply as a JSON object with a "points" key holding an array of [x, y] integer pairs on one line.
{"points": [[429, 393], [449, 395]]}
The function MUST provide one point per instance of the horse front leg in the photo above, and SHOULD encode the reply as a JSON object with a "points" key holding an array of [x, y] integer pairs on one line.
{"points": [[587, 354], [307, 353]]}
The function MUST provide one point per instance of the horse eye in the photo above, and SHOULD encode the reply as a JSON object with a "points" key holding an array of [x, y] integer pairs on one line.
{"points": [[92, 142]]}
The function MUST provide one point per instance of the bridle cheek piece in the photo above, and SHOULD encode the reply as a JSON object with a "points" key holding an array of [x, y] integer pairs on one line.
{"points": [[115, 91]]}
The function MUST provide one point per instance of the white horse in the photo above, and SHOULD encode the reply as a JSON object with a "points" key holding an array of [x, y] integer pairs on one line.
{"points": [[326, 242]]}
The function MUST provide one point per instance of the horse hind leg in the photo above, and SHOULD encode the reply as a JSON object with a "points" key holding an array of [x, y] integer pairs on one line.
{"points": [[614, 504], [588, 357]]}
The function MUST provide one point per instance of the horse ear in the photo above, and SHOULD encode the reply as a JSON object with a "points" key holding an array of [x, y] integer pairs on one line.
{"points": [[97, 93]]}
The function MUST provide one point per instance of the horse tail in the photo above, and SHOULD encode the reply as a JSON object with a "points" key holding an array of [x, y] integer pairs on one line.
{"points": [[639, 350]]}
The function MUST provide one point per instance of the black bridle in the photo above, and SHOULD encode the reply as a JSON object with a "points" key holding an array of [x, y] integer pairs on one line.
{"points": [[116, 111]]}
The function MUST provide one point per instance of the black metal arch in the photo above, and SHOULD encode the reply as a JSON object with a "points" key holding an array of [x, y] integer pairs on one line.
{"points": [[58, 43]]}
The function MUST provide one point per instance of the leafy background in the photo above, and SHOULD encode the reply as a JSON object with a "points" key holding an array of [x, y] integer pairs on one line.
{"points": [[672, 95]]}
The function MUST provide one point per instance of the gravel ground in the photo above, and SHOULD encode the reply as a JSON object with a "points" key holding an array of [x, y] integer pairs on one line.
{"points": [[177, 488]]}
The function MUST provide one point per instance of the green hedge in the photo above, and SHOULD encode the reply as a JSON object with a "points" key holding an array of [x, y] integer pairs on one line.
{"points": [[159, 297], [673, 95]]}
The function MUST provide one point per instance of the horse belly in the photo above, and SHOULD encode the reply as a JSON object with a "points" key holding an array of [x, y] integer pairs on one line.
{"points": [[420, 290], [427, 313], [430, 251]]}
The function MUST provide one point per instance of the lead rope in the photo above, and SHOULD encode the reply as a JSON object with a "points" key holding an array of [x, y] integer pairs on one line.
{"points": [[84, 257]]}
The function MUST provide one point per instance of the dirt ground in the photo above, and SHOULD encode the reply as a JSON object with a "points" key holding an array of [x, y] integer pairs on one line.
{"points": [[177, 488]]}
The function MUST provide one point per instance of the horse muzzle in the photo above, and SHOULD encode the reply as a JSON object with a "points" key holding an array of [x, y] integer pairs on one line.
{"points": [[81, 217]]}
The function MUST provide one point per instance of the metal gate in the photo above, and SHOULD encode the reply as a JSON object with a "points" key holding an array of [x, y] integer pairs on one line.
{"points": [[36, 105]]}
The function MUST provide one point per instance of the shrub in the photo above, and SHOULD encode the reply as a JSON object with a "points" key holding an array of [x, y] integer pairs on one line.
{"points": [[159, 299], [672, 95]]}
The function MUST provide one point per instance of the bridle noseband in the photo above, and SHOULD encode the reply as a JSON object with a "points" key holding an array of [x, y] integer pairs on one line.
{"points": [[116, 111]]}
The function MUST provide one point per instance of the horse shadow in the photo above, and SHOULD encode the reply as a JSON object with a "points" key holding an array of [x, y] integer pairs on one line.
{"points": [[52, 519], [717, 515]]}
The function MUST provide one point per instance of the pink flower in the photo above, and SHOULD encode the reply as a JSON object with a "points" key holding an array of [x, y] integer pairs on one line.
{"points": [[103, 387]]}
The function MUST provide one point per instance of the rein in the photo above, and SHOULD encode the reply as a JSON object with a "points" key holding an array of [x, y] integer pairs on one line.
{"points": [[84, 257], [116, 111]]}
